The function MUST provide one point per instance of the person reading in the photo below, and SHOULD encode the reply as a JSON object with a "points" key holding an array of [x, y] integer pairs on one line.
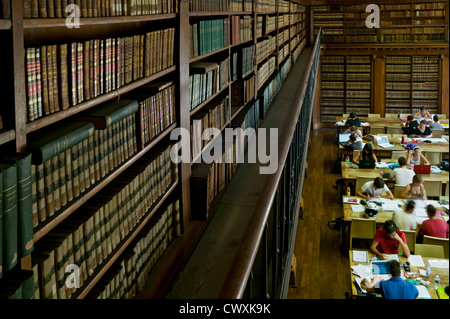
{"points": [[374, 189], [387, 240], [366, 154], [415, 190], [353, 144], [401, 175], [394, 288], [422, 131]]}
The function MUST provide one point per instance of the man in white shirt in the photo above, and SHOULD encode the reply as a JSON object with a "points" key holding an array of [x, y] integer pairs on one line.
{"points": [[402, 175], [374, 189]]}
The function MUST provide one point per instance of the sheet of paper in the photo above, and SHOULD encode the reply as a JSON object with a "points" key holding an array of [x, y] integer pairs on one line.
{"points": [[360, 256], [423, 292], [381, 165], [358, 208], [416, 261], [365, 124], [362, 271], [436, 263], [420, 212], [435, 203], [344, 137], [420, 203], [392, 257], [341, 123]]}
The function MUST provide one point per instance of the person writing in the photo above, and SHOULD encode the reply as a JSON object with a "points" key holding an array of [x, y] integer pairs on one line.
{"points": [[374, 189], [401, 175], [436, 125], [354, 130], [394, 288], [353, 144], [423, 114], [415, 190], [422, 131], [434, 226], [387, 240], [353, 120], [415, 157], [365, 154], [404, 218]]}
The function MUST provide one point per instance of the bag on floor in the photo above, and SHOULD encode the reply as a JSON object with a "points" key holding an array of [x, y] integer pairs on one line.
{"points": [[337, 224]]}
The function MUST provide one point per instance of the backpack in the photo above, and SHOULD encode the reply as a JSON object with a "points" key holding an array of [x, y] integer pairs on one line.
{"points": [[337, 224]]}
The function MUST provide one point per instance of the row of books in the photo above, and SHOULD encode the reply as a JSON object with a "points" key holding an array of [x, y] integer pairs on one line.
{"points": [[425, 94], [214, 116], [264, 49], [206, 79], [248, 117], [266, 5], [157, 108], [283, 53], [71, 158], [245, 60], [242, 91], [60, 76], [89, 237], [209, 35], [241, 29], [130, 272], [16, 228], [282, 37], [265, 71], [299, 45], [361, 94], [96, 8]]}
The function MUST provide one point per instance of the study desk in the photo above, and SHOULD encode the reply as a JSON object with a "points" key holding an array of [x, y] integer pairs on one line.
{"points": [[443, 274]]}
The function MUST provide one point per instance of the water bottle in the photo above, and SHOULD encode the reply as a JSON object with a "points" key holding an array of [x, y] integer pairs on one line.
{"points": [[403, 139], [437, 281], [348, 191], [347, 161]]}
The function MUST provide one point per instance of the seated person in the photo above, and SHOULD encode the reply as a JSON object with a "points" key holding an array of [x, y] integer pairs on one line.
{"points": [[415, 190], [415, 157], [354, 130], [374, 189], [353, 120], [353, 144], [367, 153], [436, 125], [387, 240], [423, 114], [411, 124], [402, 175], [404, 218], [422, 131], [394, 288], [434, 226]]}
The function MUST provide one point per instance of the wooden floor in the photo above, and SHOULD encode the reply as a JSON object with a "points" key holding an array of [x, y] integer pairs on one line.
{"points": [[322, 266]]}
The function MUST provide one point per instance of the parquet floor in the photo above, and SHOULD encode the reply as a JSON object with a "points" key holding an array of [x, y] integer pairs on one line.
{"points": [[322, 266]]}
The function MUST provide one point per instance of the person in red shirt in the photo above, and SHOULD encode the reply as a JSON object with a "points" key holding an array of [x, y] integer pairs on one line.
{"points": [[387, 240], [434, 226]]}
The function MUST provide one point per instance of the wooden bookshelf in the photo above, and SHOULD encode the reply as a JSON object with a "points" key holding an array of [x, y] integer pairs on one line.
{"points": [[46, 31]]}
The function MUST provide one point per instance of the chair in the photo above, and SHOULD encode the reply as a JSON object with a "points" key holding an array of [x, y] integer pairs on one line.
{"points": [[397, 154], [410, 236], [438, 133], [433, 188], [446, 189], [404, 115], [397, 135], [442, 116], [373, 116], [362, 228], [376, 130], [432, 251], [436, 241], [435, 158], [395, 130], [360, 181], [398, 189], [445, 136], [391, 115]]}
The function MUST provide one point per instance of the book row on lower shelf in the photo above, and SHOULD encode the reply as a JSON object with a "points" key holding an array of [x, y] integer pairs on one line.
{"points": [[65, 75], [96, 8], [209, 35]]}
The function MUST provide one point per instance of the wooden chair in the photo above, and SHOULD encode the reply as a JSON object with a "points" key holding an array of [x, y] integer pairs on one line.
{"points": [[360, 181], [442, 116], [362, 228], [438, 133], [404, 115], [432, 251], [397, 154], [430, 240], [410, 236], [398, 189], [395, 130], [376, 130], [435, 158], [373, 116], [397, 135], [433, 188], [446, 189], [391, 115]]}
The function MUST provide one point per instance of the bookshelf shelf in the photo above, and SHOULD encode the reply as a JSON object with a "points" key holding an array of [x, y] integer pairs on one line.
{"points": [[207, 55], [197, 158], [43, 228], [7, 136], [53, 118], [106, 264], [5, 24], [212, 97], [87, 22]]}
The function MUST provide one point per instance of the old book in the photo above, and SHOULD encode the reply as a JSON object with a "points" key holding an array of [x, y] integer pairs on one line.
{"points": [[86, 88], [87, 179], [63, 78], [80, 78], [44, 80], [90, 246], [62, 179], [27, 9], [91, 152], [46, 271], [75, 171], [82, 181], [40, 183], [42, 8], [55, 183], [73, 74], [69, 174], [29, 66], [55, 77], [91, 68], [38, 82], [50, 82], [34, 196]]}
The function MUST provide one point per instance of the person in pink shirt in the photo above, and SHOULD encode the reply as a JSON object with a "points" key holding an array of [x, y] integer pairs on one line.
{"points": [[434, 226]]}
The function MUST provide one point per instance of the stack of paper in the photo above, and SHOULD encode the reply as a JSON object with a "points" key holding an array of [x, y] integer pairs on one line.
{"points": [[340, 123], [423, 292], [381, 165], [358, 208], [365, 124], [434, 203], [438, 263], [360, 256], [416, 261], [362, 271]]}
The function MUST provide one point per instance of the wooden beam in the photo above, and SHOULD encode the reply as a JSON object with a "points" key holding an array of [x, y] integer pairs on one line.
{"points": [[378, 84], [444, 85]]}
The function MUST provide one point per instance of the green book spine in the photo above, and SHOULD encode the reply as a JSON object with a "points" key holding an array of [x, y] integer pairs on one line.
{"points": [[25, 211], [9, 217]]}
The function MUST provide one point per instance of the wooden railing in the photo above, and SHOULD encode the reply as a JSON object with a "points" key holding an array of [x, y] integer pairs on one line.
{"points": [[277, 206]]}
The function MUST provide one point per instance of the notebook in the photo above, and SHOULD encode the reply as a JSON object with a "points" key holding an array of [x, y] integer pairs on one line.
{"points": [[422, 169]]}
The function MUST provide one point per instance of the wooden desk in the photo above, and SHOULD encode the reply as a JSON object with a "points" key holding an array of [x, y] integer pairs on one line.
{"points": [[443, 274], [382, 217]]}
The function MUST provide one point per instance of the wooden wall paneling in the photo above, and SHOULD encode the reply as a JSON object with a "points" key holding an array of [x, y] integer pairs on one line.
{"points": [[378, 86], [444, 85]]}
